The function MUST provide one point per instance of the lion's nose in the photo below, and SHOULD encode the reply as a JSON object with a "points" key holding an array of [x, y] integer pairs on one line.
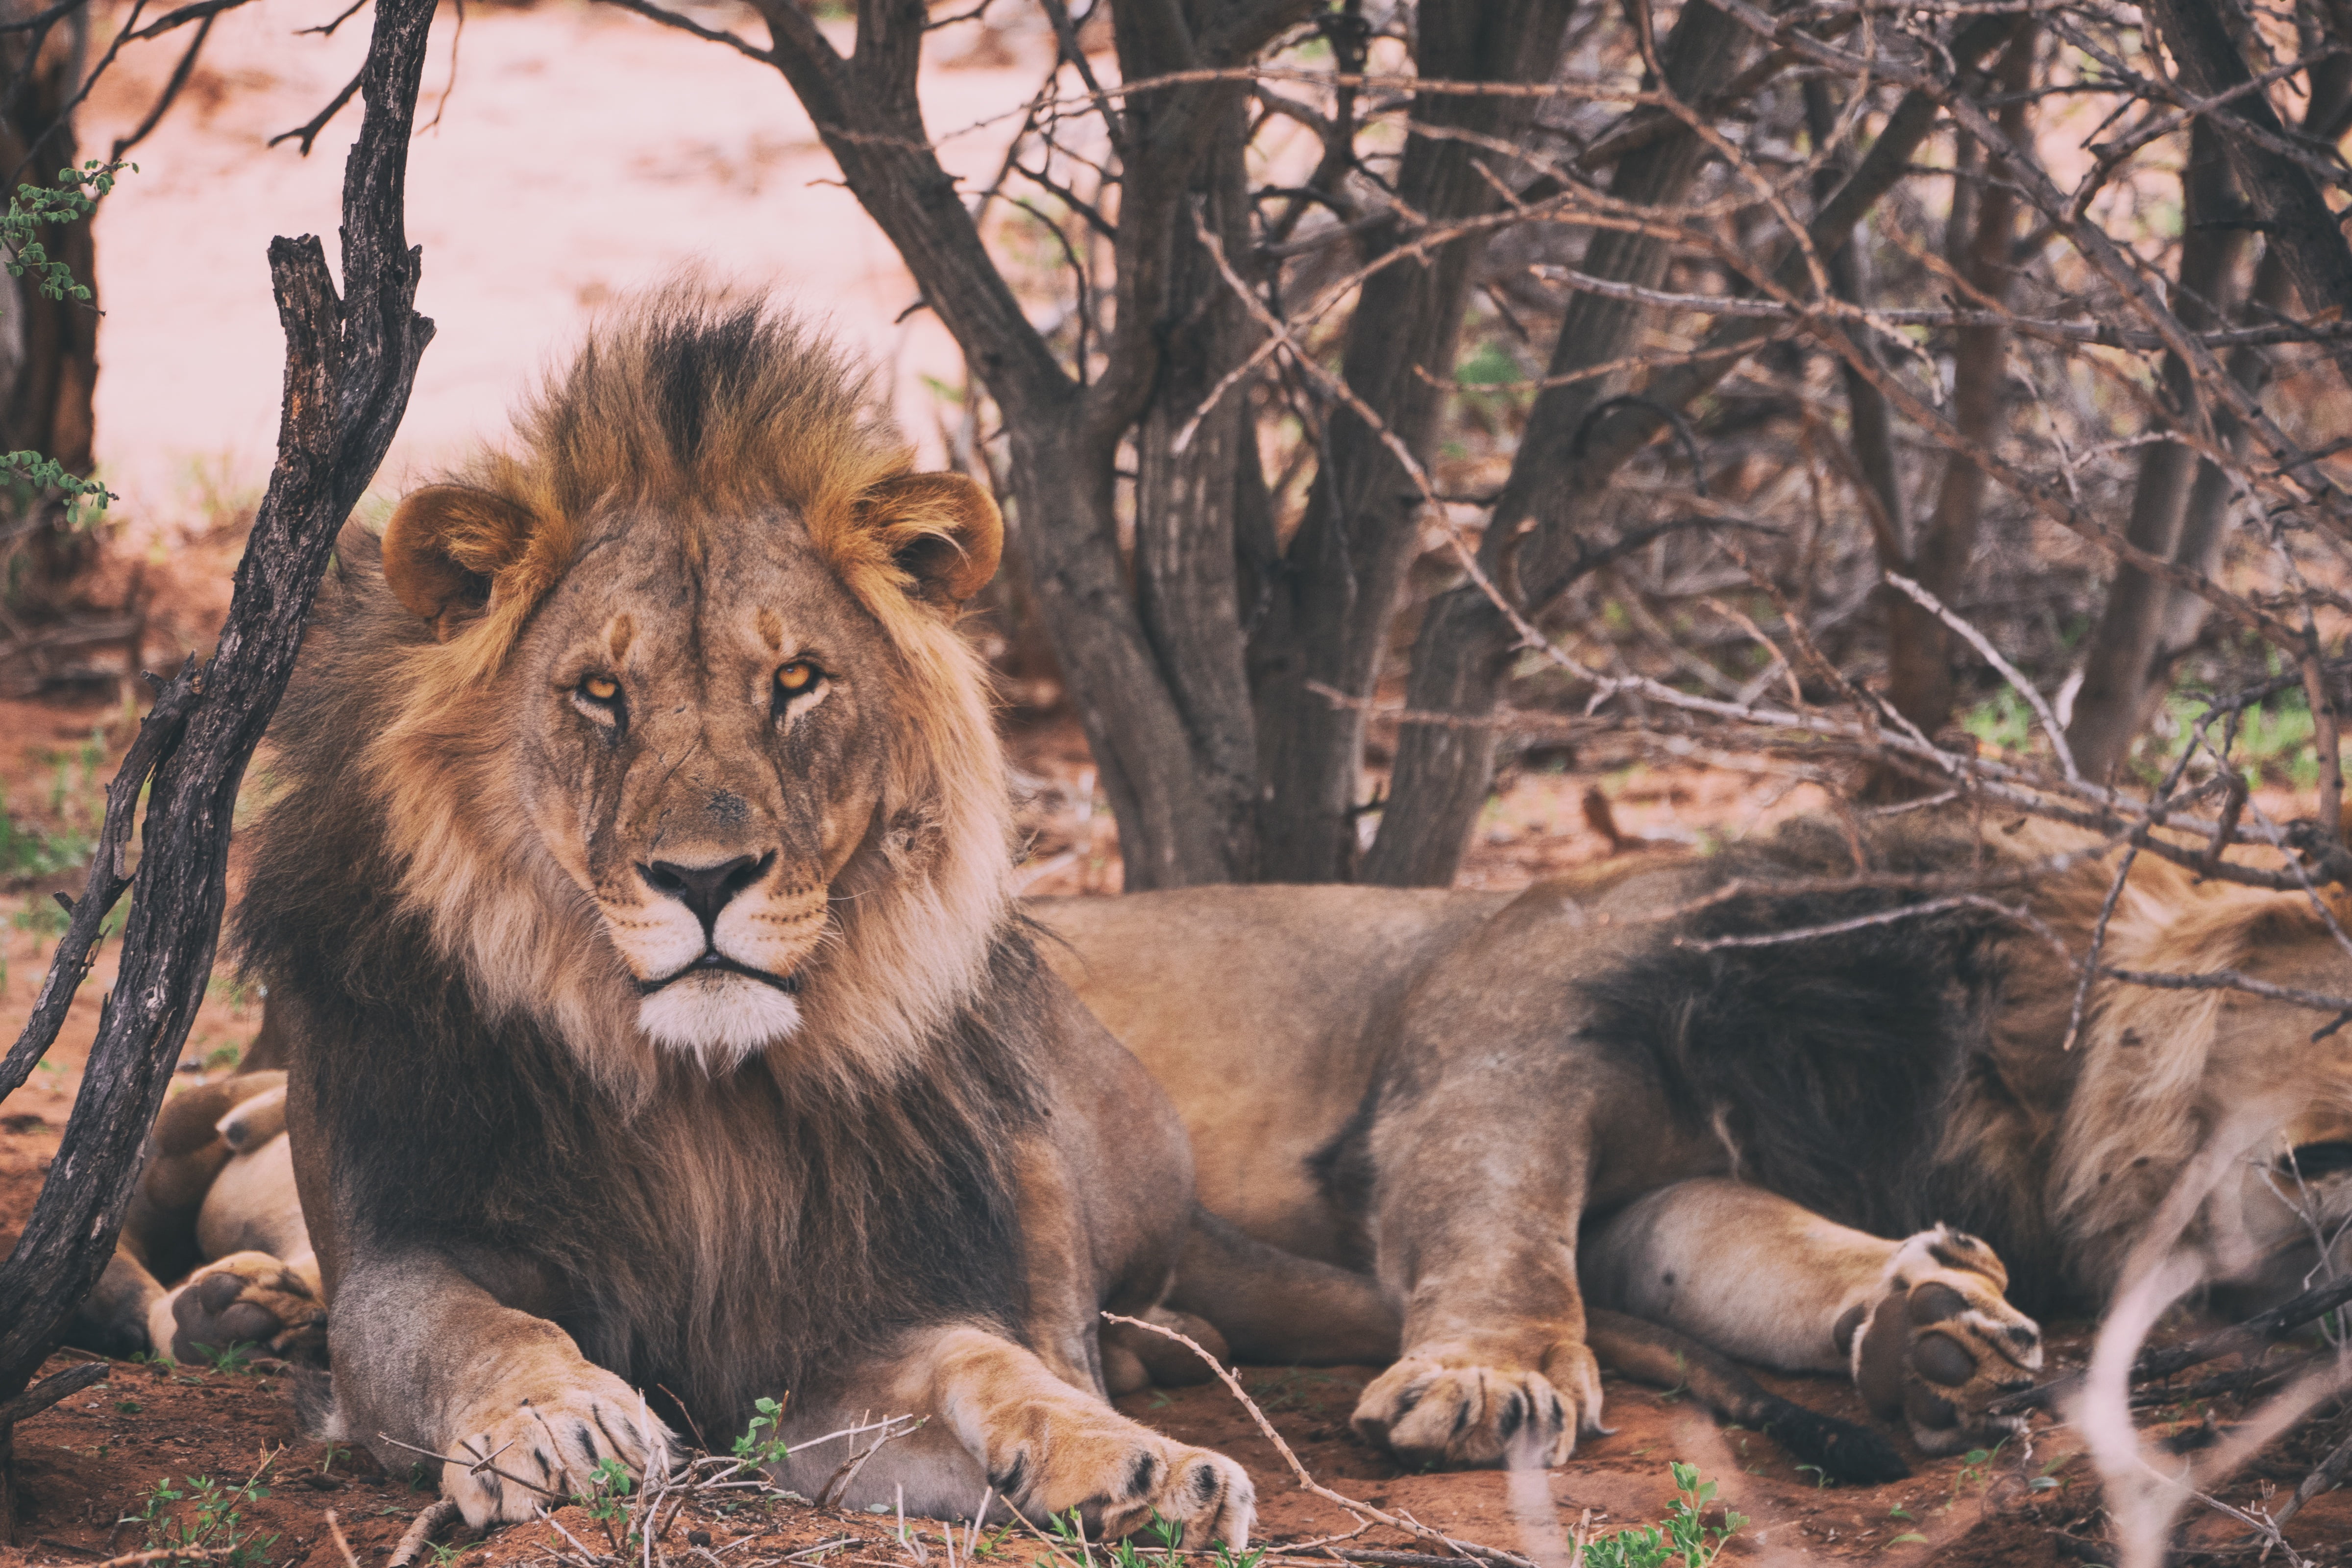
{"points": [[705, 890]]}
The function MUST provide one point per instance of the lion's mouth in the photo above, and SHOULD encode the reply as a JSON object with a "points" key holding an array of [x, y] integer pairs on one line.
{"points": [[714, 962]]}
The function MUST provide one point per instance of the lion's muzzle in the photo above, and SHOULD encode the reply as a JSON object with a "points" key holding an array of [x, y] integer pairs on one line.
{"points": [[716, 947]]}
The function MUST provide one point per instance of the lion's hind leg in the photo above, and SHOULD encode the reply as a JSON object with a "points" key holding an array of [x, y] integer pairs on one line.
{"points": [[1844, 1451], [1920, 1324], [246, 1298]]}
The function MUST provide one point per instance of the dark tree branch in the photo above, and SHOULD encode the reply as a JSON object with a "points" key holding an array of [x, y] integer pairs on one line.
{"points": [[350, 362], [169, 96], [2281, 192], [318, 122]]}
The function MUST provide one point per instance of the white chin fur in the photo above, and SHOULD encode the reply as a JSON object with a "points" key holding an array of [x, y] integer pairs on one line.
{"points": [[720, 1019]]}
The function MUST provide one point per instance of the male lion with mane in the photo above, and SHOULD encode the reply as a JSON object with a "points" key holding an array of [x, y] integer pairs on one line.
{"points": [[1626, 1092], [632, 907]]}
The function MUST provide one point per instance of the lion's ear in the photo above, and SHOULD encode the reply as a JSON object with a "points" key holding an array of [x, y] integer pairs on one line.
{"points": [[444, 545], [942, 530]]}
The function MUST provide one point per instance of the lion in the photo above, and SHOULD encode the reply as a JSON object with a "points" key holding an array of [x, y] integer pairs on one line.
{"points": [[1644, 1090], [660, 1033]]}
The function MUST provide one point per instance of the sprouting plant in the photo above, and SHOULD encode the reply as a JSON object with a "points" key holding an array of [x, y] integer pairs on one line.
{"points": [[334, 1451], [1683, 1534], [212, 1529], [1224, 1556], [1169, 1532], [227, 1358], [607, 1500], [757, 1450], [1973, 1465], [445, 1554]]}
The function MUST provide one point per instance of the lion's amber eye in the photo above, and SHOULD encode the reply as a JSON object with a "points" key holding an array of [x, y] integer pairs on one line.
{"points": [[600, 687], [796, 678]]}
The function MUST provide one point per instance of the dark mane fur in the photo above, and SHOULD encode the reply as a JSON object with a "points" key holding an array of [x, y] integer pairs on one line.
{"points": [[1834, 1065], [726, 1239]]}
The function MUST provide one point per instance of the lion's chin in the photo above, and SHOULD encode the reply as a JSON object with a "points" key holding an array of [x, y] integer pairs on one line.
{"points": [[718, 1019]]}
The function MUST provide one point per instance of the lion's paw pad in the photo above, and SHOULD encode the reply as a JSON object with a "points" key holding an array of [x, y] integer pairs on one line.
{"points": [[245, 1298], [1943, 1344]]}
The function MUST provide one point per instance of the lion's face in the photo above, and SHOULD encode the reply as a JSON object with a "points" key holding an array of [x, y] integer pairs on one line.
{"points": [[2229, 1091], [702, 747], [2282, 1217], [694, 759]]}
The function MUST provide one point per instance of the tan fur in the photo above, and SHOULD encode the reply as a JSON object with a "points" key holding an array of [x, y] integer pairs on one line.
{"points": [[766, 1106], [1269, 1011]]}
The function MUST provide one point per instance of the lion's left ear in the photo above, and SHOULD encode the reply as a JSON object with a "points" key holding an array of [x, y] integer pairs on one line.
{"points": [[942, 530]]}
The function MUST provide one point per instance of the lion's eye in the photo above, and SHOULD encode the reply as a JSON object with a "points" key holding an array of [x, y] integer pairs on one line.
{"points": [[600, 689], [793, 679]]}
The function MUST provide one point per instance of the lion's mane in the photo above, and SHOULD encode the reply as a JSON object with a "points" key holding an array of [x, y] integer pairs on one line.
{"points": [[456, 1001], [1899, 1072]]}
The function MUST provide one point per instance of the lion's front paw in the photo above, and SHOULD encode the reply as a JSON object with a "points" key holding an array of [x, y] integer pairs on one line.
{"points": [[1122, 1475], [1940, 1343], [545, 1446], [1461, 1405], [245, 1298]]}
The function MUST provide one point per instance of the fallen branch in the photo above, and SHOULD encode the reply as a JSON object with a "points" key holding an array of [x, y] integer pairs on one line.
{"points": [[421, 1530], [2256, 1333], [1307, 1482]]}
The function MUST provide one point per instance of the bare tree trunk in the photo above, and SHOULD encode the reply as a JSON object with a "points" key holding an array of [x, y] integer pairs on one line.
{"points": [[1442, 772], [1870, 434], [2284, 196], [2121, 661], [2147, 624], [350, 364], [1330, 603], [1463, 654], [45, 395], [1186, 562], [1919, 683]]}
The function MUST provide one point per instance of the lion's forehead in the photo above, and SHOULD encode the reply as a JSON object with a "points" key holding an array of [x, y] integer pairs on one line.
{"points": [[677, 601]]}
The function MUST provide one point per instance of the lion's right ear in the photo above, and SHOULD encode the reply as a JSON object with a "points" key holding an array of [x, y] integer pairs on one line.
{"points": [[444, 545]]}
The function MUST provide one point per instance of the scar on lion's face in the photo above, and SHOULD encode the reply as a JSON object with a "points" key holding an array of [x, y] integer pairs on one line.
{"points": [[708, 760]]}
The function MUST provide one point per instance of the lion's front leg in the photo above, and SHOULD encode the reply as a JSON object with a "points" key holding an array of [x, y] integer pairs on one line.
{"points": [[1921, 1324], [425, 1358], [1047, 1447], [1475, 1239]]}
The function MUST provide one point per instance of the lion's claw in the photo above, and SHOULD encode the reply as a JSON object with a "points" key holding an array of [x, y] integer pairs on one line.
{"points": [[1460, 1407], [548, 1446]]}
